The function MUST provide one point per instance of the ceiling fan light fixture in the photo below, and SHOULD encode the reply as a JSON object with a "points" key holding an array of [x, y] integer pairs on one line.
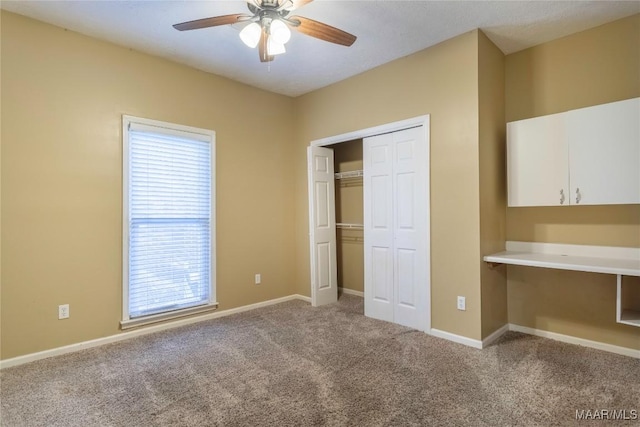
{"points": [[279, 31], [269, 26], [275, 48], [250, 35]]}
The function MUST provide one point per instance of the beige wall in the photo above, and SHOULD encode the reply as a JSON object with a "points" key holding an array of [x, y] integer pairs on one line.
{"points": [[349, 209], [492, 183], [441, 81], [63, 95], [592, 67]]}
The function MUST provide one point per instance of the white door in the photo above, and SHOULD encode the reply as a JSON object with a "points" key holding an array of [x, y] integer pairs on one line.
{"points": [[378, 227], [411, 222], [537, 162], [322, 226], [396, 224], [604, 147]]}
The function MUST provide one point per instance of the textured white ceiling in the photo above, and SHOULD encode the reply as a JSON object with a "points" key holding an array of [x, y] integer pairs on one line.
{"points": [[386, 30]]}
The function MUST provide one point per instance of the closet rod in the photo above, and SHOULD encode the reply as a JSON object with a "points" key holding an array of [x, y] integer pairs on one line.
{"points": [[348, 225], [349, 239], [344, 183]]}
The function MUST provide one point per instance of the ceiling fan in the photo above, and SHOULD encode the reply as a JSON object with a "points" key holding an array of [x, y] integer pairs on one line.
{"points": [[269, 25]]}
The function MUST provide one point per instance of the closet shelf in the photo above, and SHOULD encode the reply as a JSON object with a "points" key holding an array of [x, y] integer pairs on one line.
{"points": [[351, 239], [349, 174], [349, 225]]}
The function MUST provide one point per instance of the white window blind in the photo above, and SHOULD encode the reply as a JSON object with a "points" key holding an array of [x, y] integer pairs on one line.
{"points": [[169, 208]]}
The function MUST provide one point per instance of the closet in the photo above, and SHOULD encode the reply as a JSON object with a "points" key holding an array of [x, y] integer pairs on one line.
{"points": [[349, 209], [369, 223]]}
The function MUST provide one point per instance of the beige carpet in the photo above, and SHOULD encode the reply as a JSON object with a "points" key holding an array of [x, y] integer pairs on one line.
{"points": [[294, 365]]}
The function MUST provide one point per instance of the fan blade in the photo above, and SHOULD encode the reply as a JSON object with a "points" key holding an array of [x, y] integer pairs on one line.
{"points": [[322, 31], [210, 22], [262, 47]]}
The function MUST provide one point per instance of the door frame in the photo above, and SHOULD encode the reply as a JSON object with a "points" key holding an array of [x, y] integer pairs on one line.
{"points": [[373, 131], [379, 130]]}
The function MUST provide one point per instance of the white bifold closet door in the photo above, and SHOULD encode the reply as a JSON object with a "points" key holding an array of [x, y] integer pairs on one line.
{"points": [[396, 221], [322, 227]]}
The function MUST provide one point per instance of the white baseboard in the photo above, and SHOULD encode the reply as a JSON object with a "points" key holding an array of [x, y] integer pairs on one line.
{"points": [[297, 296], [539, 333], [351, 292], [575, 340], [7, 363], [494, 336], [470, 341], [456, 338]]}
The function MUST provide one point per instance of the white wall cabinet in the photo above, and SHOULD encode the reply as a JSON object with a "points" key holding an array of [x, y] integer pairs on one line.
{"points": [[537, 161], [604, 153], [589, 156]]}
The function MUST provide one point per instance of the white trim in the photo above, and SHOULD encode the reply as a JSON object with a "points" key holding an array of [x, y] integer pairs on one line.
{"points": [[351, 292], [179, 131], [143, 331], [125, 216], [167, 315], [625, 351], [618, 298], [372, 131], [574, 250], [625, 316], [495, 335], [298, 297], [575, 340], [457, 338], [470, 341]]}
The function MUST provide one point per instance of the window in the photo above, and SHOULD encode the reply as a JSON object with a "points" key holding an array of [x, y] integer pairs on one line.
{"points": [[168, 221]]}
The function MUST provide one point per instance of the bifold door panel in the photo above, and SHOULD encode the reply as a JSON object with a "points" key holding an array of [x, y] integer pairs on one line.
{"points": [[322, 227], [396, 224]]}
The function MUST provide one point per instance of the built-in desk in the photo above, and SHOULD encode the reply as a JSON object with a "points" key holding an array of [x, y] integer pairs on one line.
{"points": [[593, 259]]}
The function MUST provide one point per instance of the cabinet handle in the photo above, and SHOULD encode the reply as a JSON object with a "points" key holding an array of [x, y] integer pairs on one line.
{"points": [[578, 195], [561, 196]]}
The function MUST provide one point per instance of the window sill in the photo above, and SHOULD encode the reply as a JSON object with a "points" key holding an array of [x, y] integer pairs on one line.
{"points": [[155, 318]]}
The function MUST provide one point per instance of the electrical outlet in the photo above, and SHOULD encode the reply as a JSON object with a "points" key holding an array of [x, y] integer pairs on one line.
{"points": [[462, 304], [63, 311], [258, 279]]}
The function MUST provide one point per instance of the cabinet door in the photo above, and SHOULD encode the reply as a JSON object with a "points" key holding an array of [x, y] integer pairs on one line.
{"points": [[537, 162], [604, 153]]}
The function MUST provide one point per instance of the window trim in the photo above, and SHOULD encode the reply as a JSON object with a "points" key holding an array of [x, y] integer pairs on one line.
{"points": [[175, 129]]}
